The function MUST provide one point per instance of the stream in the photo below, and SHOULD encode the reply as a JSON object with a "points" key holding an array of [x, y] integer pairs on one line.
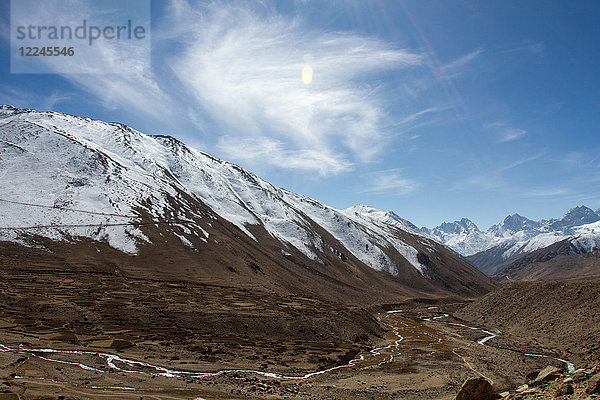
{"points": [[112, 362], [491, 335]]}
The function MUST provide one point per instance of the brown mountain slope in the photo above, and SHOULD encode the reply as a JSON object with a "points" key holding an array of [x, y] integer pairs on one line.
{"points": [[559, 261], [564, 316]]}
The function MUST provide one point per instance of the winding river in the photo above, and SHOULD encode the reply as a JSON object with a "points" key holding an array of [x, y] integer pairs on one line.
{"points": [[112, 362], [490, 335]]}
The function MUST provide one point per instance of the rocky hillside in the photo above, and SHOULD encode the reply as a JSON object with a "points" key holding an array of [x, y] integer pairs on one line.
{"points": [[559, 315], [567, 259]]}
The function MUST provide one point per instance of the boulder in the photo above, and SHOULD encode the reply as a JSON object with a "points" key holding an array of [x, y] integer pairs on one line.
{"points": [[593, 386], [580, 376], [564, 389], [545, 375], [476, 389], [522, 388]]}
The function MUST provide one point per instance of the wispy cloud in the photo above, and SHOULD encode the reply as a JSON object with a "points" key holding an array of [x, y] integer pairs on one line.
{"points": [[56, 97], [129, 81], [504, 132], [246, 72], [391, 180], [510, 134], [520, 162], [235, 72], [417, 115], [32, 99], [258, 149], [457, 66], [529, 47], [546, 192]]}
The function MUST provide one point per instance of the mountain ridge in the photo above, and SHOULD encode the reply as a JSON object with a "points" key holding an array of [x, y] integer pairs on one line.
{"points": [[146, 190], [517, 236]]}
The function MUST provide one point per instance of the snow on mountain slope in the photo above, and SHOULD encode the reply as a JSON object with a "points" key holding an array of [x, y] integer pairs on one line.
{"points": [[367, 213], [377, 222], [576, 216], [587, 237], [68, 163], [517, 236], [462, 236], [515, 227], [537, 235]]}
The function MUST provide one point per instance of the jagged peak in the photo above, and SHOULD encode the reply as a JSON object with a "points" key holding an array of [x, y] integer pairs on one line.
{"points": [[578, 210], [458, 226]]}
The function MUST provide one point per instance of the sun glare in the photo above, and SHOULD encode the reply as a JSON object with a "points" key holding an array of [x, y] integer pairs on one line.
{"points": [[307, 74]]}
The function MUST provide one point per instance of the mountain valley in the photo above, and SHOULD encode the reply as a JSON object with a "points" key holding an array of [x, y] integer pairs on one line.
{"points": [[134, 266]]}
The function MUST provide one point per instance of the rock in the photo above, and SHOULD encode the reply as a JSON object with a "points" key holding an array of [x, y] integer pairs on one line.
{"points": [[564, 389], [476, 388], [580, 376], [120, 344], [593, 386], [545, 375], [522, 388], [504, 394]]}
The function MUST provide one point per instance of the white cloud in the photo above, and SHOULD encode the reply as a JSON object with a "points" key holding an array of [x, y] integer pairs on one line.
{"points": [[419, 114], [455, 67], [246, 72], [545, 192], [391, 180], [128, 82], [258, 149], [56, 97], [32, 99], [236, 74], [510, 134], [505, 132]]}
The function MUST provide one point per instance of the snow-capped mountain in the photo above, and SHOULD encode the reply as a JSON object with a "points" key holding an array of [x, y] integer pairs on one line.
{"points": [[517, 236], [67, 177], [515, 227], [575, 257], [462, 236], [577, 216]]}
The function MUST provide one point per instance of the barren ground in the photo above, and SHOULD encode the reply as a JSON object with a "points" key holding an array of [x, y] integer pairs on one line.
{"points": [[111, 335]]}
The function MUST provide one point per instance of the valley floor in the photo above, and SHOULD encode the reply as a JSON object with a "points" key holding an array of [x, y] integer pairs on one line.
{"points": [[90, 336]]}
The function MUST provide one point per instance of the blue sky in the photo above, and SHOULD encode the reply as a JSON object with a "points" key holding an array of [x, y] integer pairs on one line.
{"points": [[436, 110]]}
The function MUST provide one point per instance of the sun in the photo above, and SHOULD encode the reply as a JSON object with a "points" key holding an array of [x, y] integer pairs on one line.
{"points": [[307, 74]]}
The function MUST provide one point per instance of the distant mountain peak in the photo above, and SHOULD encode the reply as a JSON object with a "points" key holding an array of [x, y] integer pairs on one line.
{"points": [[388, 217], [465, 225], [579, 211], [513, 224], [576, 216]]}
